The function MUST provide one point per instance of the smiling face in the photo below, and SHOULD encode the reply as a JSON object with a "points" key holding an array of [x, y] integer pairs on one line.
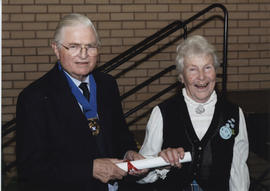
{"points": [[80, 65], [199, 77]]}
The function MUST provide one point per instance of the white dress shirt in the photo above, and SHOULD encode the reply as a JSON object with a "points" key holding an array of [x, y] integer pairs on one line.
{"points": [[78, 82], [239, 179]]}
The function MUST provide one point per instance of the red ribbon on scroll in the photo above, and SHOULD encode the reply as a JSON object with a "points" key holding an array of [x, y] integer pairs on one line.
{"points": [[130, 166]]}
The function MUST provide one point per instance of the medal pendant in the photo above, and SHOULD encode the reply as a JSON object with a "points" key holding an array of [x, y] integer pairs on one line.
{"points": [[94, 126]]}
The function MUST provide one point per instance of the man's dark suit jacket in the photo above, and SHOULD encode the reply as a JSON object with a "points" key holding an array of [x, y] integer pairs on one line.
{"points": [[55, 149]]}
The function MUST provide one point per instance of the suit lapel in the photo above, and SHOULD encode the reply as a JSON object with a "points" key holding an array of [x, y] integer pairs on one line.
{"points": [[104, 138], [70, 109], [67, 102]]}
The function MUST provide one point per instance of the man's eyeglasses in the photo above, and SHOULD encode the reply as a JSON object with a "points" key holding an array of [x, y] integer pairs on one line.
{"points": [[75, 49]]}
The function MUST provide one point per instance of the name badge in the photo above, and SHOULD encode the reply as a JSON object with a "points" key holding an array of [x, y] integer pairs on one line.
{"points": [[94, 126]]}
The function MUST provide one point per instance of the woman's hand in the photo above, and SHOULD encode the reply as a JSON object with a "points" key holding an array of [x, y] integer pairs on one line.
{"points": [[132, 156], [173, 156]]}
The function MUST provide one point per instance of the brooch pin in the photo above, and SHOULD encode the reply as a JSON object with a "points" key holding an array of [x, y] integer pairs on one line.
{"points": [[94, 126], [200, 109], [227, 130]]}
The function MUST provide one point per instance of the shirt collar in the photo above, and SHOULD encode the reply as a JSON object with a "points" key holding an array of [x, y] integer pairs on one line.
{"points": [[212, 100], [78, 82]]}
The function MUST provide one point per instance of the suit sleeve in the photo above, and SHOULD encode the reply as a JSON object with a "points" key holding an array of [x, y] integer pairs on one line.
{"points": [[42, 165], [152, 145], [123, 138]]}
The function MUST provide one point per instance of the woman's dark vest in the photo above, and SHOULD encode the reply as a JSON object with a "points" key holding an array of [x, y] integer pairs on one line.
{"points": [[211, 156]]}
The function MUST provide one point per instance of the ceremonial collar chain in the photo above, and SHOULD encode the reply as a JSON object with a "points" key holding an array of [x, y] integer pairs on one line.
{"points": [[89, 107]]}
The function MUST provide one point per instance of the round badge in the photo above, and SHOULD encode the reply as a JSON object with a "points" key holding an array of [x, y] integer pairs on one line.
{"points": [[225, 132]]}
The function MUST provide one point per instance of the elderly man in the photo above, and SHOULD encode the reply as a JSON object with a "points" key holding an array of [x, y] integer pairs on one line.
{"points": [[70, 125]]}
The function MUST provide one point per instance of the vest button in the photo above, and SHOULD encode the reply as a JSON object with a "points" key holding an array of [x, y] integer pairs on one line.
{"points": [[194, 173], [199, 148]]}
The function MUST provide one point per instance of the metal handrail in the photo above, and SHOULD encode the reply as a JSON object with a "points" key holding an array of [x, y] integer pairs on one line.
{"points": [[7, 125], [147, 82], [137, 49], [151, 99], [184, 24], [175, 25], [141, 46], [225, 39], [169, 29]]}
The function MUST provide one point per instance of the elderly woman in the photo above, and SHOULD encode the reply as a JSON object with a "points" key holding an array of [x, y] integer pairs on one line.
{"points": [[198, 121]]}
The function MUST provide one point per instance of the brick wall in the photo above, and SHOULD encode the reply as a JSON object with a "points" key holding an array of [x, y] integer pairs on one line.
{"points": [[28, 27]]}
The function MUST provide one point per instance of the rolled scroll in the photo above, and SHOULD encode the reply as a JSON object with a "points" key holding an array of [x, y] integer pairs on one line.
{"points": [[149, 163]]}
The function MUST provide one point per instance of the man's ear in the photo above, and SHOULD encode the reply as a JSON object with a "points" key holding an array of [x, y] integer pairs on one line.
{"points": [[56, 50]]}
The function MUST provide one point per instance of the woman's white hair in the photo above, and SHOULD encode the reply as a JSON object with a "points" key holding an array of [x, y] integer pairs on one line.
{"points": [[73, 19], [193, 46]]}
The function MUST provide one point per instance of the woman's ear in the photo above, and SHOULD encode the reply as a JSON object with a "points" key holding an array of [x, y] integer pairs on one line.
{"points": [[56, 50], [181, 78]]}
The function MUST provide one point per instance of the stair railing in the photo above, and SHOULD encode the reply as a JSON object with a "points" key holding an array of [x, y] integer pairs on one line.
{"points": [[152, 40], [10, 126]]}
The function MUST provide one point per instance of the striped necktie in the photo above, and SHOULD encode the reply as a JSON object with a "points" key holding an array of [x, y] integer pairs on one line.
{"points": [[85, 90]]}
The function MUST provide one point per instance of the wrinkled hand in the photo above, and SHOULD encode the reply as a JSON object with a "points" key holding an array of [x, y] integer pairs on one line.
{"points": [[172, 155], [131, 156], [105, 169]]}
